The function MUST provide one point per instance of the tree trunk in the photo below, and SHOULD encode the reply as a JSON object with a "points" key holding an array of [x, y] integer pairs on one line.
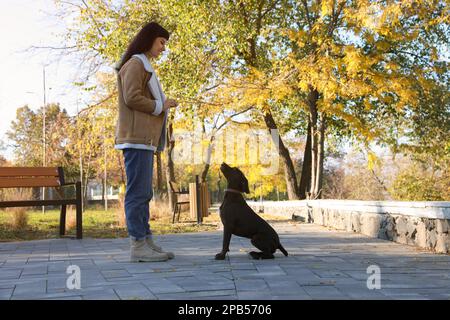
{"points": [[313, 96], [85, 192], [159, 182], [305, 179], [122, 168], [291, 178], [170, 170], [205, 172], [86, 182], [103, 190], [208, 158], [321, 156]]}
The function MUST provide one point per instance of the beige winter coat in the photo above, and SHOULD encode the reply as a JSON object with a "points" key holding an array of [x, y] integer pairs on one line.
{"points": [[137, 122]]}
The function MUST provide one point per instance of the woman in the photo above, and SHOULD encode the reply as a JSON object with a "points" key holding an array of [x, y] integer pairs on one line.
{"points": [[140, 131]]}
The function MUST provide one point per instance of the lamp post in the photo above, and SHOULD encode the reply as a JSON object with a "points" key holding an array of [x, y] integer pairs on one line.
{"points": [[81, 156], [43, 135], [43, 119], [44, 160], [105, 192]]}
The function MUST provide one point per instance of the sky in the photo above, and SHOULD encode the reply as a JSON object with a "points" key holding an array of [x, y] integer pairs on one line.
{"points": [[23, 24]]}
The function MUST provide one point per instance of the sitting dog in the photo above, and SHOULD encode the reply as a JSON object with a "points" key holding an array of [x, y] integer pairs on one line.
{"points": [[239, 219]]}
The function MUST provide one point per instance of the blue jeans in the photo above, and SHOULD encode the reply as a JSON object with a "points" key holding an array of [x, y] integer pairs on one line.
{"points": [[139, 192]]}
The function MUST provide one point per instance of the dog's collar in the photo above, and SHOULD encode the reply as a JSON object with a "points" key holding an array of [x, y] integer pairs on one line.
{"points": [[233, 190]]}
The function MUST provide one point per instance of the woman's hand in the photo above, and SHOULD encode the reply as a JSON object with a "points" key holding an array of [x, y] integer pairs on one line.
{"points": [[169, 103]]}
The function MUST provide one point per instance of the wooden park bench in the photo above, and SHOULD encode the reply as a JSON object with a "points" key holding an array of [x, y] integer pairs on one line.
{"points": [[178, 204], [29, 177], [198, 201]]}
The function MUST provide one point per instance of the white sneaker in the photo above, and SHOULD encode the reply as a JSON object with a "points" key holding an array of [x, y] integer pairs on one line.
{"points": [[140, 251], [158, 249]]}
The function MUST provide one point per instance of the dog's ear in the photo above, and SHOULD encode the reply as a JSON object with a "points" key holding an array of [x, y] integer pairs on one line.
{"points": [[245, 185]]}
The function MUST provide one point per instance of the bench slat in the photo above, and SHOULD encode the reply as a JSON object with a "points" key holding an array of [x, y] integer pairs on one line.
{"points": [[29, 182], [33, 203], [28, 171]]}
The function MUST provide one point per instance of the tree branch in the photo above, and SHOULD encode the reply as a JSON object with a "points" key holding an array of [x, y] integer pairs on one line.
{"points": [[274, 4], [305, 5], [53, 48], [232, 116], [412, 54], [93, 19], [89, 108]]}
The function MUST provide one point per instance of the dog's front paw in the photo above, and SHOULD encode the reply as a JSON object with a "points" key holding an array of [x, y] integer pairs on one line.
{"points": [[220, 256]]}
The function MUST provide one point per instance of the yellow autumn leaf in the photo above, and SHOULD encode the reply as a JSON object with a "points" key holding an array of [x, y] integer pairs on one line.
{"points": [[371, 160], [327, 7]]}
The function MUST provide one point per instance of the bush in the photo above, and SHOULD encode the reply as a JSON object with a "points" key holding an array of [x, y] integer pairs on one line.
{"points": [[19, 215], [19, 218], [419, 185]]}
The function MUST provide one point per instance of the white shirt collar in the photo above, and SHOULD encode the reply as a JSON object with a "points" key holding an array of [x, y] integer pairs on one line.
{"points": [[147, 66], [153, 83]]}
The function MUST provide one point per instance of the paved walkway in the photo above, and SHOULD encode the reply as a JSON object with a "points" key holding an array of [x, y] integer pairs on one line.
{"points": [[322, 264]]}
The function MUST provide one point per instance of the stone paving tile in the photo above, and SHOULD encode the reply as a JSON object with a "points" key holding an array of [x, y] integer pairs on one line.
{"points": [[437, 294], [322, 264], [138, 268], [108, 294], [118, 273], [242, 266], [361, 293], [37, 259], [325, 293], [137, 292], [28, 289], [270, 270], [57, 283], [230, 297], [196, 295], [414, 284], [330, 273], [251, 284], [6, 285], [163, 287], [34, 270], [278, 287], [10, 273], [258, 295], [44, 297], [191, 284], [5, 294], [412, 296], [299, 272], [175, 273], [245, 274], [290, 297], [68, 298]]}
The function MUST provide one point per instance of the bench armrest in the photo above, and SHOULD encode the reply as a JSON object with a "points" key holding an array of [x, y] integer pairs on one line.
{"points": [[181, 192], [69, 183]]}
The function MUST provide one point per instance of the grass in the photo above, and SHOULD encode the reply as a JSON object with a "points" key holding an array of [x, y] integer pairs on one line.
{"points": [[98, 223]]}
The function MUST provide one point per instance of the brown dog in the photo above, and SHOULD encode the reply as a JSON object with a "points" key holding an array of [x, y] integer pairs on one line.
{"points": [[239, 219]]}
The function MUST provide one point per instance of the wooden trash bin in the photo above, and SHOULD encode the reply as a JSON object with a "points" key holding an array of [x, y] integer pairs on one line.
{"points": [[203, 197]]}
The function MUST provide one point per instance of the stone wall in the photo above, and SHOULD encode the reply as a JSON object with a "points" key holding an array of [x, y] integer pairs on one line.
{"points": [[424, 224]]}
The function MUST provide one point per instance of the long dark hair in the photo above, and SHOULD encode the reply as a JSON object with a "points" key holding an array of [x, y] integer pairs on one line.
{"points": [[143, 41]]}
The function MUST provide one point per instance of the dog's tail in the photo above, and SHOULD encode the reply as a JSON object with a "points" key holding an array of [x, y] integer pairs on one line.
{"points": [[283, 250]]}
